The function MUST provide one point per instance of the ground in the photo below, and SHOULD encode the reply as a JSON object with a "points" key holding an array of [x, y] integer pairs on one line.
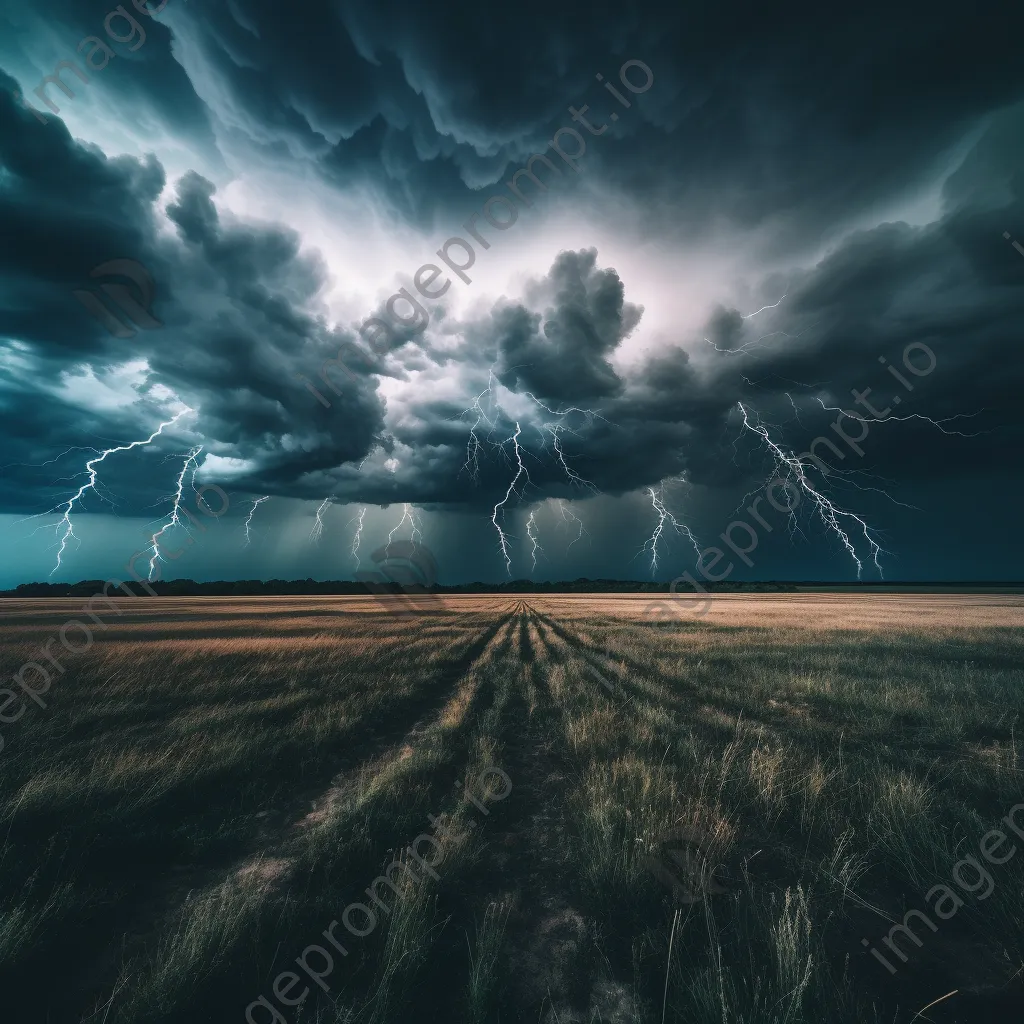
{"points": [[550, 809]]}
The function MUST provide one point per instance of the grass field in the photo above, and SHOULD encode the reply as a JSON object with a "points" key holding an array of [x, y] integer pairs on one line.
{"points": [[609, 819]]}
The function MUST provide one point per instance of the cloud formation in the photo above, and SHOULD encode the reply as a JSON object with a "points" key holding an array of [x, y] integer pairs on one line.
{"points": [[879, 221]]}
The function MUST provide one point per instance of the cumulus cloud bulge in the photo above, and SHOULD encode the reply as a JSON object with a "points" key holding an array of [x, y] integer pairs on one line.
{"points": [[561, 286]]}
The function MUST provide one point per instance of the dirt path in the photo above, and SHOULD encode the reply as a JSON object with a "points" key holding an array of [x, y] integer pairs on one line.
{"points": [[556, 973]]}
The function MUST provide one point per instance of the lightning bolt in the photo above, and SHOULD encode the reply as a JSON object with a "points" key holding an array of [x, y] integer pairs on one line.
{"points": [[574, 478], [318, 526], [796, 411], [555, 429], [358, 534], [256, 503], [172, 517], [531, 528], [1014, 243], [408, 516], [520, 472], [664, 516], [56, 458], [67, 507], [774, 305], [485, 409], [569, 516], [789, 380], [938, 424], [473, 444], [368, 455], [748, 346], [548, 430], [831, 515]]}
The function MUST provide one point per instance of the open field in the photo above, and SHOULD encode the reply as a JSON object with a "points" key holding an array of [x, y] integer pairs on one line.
{"points": [[214, 781]]}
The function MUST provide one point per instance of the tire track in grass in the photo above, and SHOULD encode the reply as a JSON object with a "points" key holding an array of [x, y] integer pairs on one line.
{"points": [[448, 903], [648, 726], [614, 805], [444, 722], [446, 709], [801, 862], [671, 707], [629, 699], [660, 687], [529, 752], [549, 956], [722, 723], [169, 787], [268, 856]]}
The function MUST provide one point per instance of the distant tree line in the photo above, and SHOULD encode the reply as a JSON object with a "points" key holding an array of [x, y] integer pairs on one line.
{"points": [[249, 588], [255, 588]]}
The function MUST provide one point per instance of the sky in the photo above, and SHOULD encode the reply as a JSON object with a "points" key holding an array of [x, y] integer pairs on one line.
{"points": [[556, 290]]}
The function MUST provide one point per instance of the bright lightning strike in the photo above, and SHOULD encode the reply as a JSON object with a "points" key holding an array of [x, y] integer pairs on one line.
{"points": [[408, 516], [495, 401], [574, 477], [774, 305], [473, 444], [56, 458], [248, 520], [357, 538], [749, 346], [520, 472], [90, 485], [531, 533], [938, 424], [664, 516], [318, 526], [555, 429], [173, 518], [568, 516], [831, 515], [369, 455]]}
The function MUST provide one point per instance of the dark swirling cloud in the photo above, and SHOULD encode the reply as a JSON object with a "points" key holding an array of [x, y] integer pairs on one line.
{"points": [[562, 353], [238, 304], [865, 163], [779, 117], [241, 305]]}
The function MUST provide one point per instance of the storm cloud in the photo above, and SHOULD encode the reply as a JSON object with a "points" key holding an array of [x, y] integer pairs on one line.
{"points": [[794, 201]]}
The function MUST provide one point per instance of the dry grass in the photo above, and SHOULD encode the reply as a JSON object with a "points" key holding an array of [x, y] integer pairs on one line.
{"points": [[217, 779]]}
